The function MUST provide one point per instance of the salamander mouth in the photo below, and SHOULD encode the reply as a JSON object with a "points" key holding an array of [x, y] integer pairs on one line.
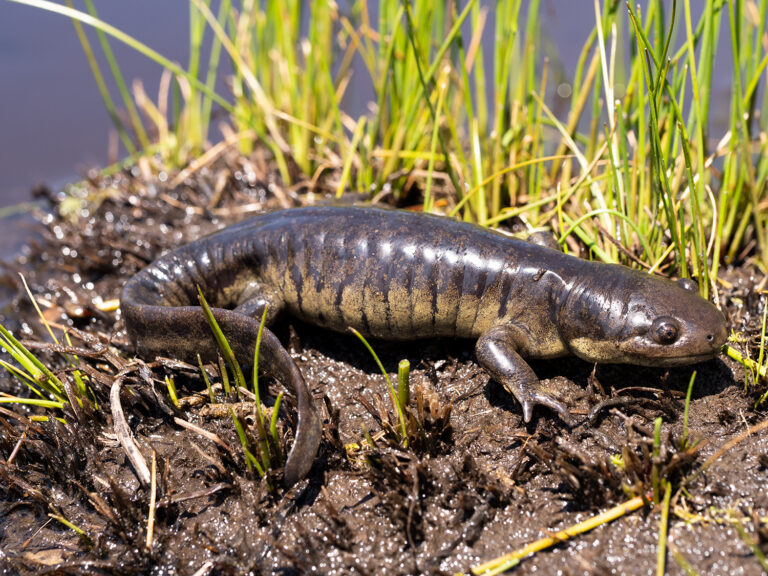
{"points": [[681, 360]]}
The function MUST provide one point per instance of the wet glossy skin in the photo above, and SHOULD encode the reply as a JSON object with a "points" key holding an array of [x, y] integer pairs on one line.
{"points": [[402, 276]]}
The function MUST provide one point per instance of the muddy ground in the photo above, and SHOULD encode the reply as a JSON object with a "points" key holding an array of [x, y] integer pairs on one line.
{"points": [[482, 485]]}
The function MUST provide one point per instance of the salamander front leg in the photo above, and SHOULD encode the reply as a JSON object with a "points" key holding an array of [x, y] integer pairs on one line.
{"points": [[497, 352]]}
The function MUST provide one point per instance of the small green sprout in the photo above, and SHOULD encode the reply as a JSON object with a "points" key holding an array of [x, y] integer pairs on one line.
{"points": [[404, 384], [655, 480], [224, 346], [206, 380], [684, 444], [397, 404], [171, 386]]}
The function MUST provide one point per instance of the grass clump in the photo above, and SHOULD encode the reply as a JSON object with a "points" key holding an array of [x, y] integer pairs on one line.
{"points": [[69, 389], [47, 388], [415, 420], [742, 349], [262, 453]]}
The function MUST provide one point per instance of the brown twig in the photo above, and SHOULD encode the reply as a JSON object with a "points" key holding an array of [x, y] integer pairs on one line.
{"points": [[123, 432], [204, 433]]}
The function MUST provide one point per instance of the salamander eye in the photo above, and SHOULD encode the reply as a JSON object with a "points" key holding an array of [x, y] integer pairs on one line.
{"points": [[664, 330]]}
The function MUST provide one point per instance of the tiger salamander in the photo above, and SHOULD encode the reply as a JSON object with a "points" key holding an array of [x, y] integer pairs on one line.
{"points": [[399, 275]]}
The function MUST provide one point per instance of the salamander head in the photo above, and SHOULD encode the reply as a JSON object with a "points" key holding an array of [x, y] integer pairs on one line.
{"points": [[644, 320]]}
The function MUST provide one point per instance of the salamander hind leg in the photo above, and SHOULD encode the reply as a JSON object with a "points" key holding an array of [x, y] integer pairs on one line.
{"points": [[255, 298], [497, 352]]}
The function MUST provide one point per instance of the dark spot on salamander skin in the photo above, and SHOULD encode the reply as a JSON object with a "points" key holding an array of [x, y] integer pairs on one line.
{"points": [[381, 285], [309, 256], [320, 270], [489, 280], [346, 280], [365, 294], [481, 277], [455, 283], [277, 255], [387, 295], [342, 279], [506, 286], [293, 265], [432, 287], [408, 287]]}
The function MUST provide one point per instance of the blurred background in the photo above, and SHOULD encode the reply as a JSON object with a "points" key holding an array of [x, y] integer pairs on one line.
{"points": [[53, 124]]}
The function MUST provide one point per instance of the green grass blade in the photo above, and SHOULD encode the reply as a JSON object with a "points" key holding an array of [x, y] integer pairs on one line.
{"points": [[396, 404], [221, 340]]}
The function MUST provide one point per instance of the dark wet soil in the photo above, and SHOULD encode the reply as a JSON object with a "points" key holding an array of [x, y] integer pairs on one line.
{"points": [[481, 485]]}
